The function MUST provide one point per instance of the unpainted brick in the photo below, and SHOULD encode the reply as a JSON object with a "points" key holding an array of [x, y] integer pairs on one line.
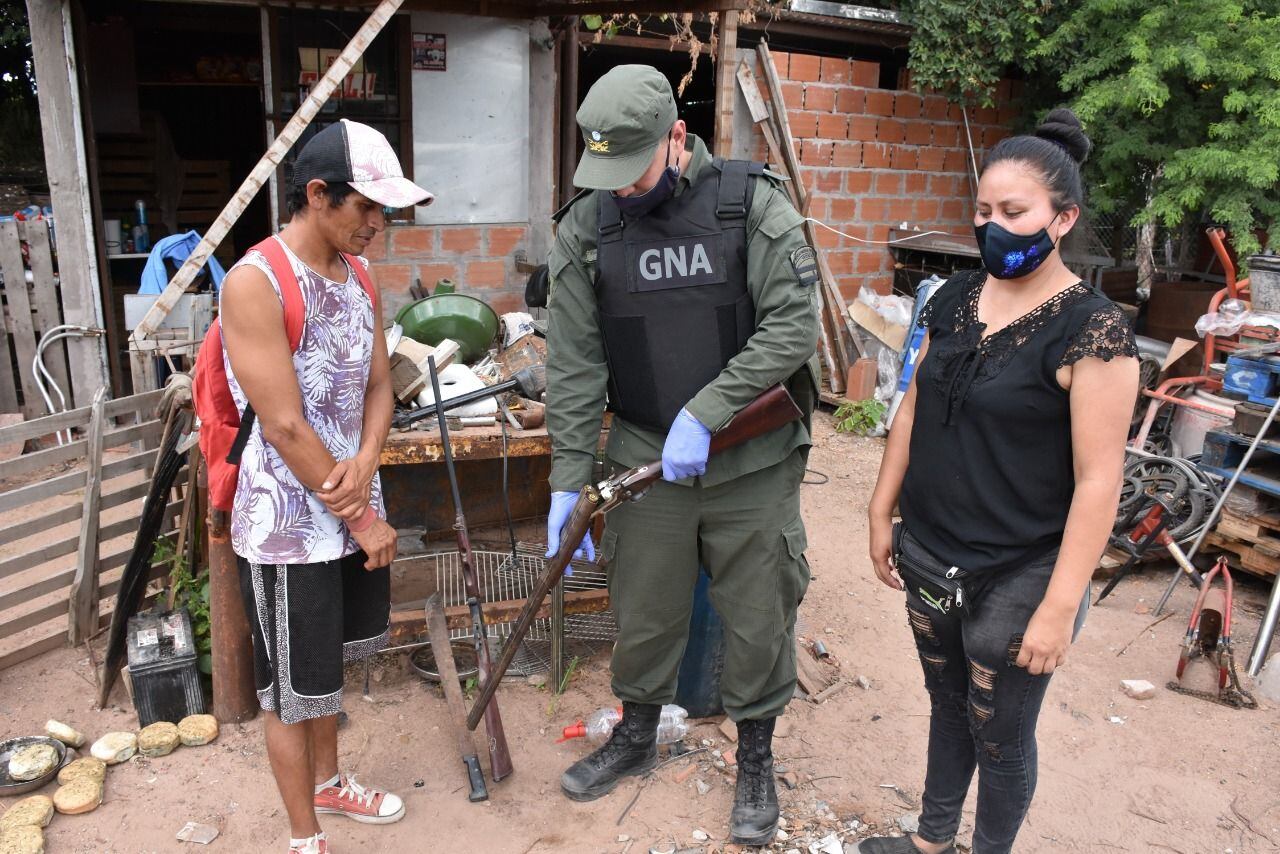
{"points": [[847, 154], [935, 107], [485, 274], [503, 240], [880, 102], [815, 152], [857, 181], [907, 105], [919, 133], [409, 241], [392, 278], [863, 128], [819, 97], [904, 156], [429, 275], [890, 130], [792, 94], [887, 183], [833, 126], [863, 73], [851, 100], [805, 68], [803, 123], [459, 240], [931, 159], [877, 155], [834, 70]]}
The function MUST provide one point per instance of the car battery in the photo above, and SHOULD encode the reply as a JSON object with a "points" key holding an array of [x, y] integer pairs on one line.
{"points": [[163, 667]]}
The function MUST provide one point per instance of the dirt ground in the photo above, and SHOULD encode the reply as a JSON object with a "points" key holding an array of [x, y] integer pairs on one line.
{"points": [[1169, 774]]}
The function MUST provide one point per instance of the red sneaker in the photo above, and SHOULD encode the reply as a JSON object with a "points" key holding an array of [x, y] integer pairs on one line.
{"points": [[363, 803]]}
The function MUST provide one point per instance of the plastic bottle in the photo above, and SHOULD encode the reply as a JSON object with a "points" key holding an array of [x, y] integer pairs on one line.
{"points": [[672, 725], [141, 233]]}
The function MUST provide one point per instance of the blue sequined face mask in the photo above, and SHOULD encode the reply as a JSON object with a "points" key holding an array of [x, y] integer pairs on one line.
{"points": [[1011, 256]]}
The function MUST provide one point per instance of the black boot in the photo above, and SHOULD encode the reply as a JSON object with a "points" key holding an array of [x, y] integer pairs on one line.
{"points": [[632, 749], [754, 820]]}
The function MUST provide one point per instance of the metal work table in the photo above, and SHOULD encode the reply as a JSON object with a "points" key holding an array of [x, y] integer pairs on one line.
{"points": [[417, 488]]}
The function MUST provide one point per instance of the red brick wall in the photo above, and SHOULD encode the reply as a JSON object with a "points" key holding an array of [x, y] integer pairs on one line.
{"points": [[876, 158], [480, 259]]}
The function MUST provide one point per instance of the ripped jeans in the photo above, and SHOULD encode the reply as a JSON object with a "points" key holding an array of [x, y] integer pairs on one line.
{"points": [[984, 707]]}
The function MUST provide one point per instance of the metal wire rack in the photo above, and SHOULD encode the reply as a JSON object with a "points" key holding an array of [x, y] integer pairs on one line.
{"points": [[503, 578]]}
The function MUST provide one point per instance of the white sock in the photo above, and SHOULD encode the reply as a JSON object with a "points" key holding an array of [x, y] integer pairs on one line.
{"points": [[303, 843], [335, 780]]}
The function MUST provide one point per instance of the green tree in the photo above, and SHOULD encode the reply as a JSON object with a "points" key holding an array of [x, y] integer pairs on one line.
{"points": [[962, 48], [1182, 101], [21, 151]]}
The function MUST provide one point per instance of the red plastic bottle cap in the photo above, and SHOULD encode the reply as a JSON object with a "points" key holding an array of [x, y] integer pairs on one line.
{"points": [[578, 730]]}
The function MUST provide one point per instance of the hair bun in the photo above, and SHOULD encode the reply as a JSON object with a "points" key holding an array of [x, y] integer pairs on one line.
{"points": [[1063, 128]]}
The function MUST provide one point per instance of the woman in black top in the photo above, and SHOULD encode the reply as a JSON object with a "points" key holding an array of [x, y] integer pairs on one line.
{"points": [[1005, 459]]}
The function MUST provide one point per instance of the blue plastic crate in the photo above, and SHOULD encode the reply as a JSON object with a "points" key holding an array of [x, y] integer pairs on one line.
{"points": [[1254, 379]]}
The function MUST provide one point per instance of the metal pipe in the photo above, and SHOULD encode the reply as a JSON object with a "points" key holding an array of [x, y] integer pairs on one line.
{"points": [[1266, 631], [234, 698], [1222, 499], [41, 372]]}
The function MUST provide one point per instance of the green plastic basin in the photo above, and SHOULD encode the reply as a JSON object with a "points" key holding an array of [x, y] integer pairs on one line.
{"points": [[465, 319]]}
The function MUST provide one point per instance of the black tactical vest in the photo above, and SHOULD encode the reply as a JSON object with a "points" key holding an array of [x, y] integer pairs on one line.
{"points": [[672, 291]]}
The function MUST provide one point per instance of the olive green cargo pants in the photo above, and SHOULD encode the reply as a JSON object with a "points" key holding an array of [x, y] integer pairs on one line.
{"points": [[749, 536]]}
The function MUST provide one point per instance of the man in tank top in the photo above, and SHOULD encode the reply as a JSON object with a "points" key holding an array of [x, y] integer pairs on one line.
{"points": [[308, 525]]}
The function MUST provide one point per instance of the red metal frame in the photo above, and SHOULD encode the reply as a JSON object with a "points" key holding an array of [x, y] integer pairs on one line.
{"points": [[1214, 345]]}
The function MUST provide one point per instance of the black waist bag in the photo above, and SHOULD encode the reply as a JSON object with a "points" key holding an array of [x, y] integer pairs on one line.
{"points": [[950, 591]]}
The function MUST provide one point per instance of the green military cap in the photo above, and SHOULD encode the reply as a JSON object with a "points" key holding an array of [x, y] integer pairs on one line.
{"points": [[624, 118]]}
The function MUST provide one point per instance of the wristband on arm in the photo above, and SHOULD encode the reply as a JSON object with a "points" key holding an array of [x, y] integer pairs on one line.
{"points": [[365, 522]]}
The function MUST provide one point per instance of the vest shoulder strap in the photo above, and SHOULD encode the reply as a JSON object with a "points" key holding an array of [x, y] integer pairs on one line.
{"points": [[559, 215], [609, 219], [735, 181]]}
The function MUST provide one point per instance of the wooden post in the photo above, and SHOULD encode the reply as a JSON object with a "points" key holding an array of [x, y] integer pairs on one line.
{"points": [[726, 53], [62, 126], [568, 107], [84, 587], [234, 699]]}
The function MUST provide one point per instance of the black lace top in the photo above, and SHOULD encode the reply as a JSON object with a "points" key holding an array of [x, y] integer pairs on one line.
{"points": [[991, 476]]}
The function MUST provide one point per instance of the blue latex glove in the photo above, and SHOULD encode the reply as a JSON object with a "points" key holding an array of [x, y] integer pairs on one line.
{"points": [[561, 506], [686, 449]]}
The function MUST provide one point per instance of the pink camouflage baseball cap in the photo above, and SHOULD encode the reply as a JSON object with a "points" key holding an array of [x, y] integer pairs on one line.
{"points": [[361, 156]]}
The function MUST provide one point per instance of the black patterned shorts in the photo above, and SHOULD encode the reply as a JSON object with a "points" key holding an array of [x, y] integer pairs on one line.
{"points": [[307, 621]]}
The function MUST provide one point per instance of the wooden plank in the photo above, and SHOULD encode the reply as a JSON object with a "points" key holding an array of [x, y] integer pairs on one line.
{"points": [[34, 492], [409, 619], [76, 450], [726, 50], [62, 126], [44, 299], [75, 480], [8, 390], [70, 513], [83, 609], [53, 610], [54, 640], [41, 588], [809, 673], [21, 325], [144, 403]]}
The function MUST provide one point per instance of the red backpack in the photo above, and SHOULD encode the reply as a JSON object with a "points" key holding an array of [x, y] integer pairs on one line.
{"points": [[223, 430]]}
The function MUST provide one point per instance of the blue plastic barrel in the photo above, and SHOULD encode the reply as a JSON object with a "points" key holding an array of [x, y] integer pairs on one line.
{"points": [[698, 683]]}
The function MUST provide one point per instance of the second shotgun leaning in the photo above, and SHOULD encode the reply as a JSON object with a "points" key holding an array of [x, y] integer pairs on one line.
{"points": [[771, 410], [499, 755]]}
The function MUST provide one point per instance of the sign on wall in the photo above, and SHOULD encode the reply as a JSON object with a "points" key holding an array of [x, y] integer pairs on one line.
{"points": [[429, 52]]}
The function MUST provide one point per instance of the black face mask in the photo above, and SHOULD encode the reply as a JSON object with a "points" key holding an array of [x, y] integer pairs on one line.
{"points": [[1011, 256], [639, 204]]}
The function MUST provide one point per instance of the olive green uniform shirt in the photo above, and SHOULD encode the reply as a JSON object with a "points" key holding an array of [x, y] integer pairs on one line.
{"points": [[785, 340]]}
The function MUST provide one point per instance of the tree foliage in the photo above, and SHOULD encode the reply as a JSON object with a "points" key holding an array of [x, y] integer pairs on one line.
{"points": [[1182, 99], [962, 48]]}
